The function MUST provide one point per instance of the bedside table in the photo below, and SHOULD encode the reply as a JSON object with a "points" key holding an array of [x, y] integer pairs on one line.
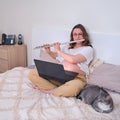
{"points": [[12, 56]]}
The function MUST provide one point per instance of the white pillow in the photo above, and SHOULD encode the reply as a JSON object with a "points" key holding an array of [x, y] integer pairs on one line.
{"points": [[46, 57], [94, 63]]}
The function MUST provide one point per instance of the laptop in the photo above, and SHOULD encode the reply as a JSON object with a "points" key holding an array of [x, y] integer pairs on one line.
{"points": [[54, 71]]}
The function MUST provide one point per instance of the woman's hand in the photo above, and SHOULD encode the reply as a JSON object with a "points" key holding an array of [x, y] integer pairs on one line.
{"points": [[47, 48], [57, 46]]}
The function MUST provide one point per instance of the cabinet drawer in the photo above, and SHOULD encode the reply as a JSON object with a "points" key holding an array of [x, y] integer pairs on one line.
{"points": [[12, 56], [3, 65], [3, 54]]}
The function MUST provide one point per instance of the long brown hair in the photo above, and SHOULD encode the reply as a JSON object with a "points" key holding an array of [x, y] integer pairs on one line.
{"points": [[85, 36]]}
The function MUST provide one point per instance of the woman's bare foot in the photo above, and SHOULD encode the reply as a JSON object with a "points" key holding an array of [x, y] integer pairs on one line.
{"points": [[49, 91]]}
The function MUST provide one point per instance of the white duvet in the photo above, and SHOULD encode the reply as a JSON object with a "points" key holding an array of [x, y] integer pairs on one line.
{"points": [[20, 101]]}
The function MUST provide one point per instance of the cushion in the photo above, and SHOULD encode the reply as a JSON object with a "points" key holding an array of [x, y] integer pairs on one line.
{"points": [[46, 57], [94, 63], [106, 76]]}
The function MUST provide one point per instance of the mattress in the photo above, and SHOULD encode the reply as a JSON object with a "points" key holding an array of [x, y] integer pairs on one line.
{"points": [[19, 100]]}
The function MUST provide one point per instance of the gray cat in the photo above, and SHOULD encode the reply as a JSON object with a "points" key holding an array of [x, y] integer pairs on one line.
{"points": [[96, 96]]}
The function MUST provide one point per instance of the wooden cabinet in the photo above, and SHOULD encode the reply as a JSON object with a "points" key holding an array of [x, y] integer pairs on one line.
{"points": [[12, 56]]}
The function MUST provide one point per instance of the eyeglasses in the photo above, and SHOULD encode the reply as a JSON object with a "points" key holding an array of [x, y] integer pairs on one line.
{"points": [[75, 34]]}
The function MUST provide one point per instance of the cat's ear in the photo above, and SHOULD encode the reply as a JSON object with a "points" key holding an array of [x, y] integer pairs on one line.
{"points": [[108, 97], [100, 92]]}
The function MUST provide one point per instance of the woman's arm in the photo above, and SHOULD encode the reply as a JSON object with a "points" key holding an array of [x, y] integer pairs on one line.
{"points": [[70, 58], [51, 53]]}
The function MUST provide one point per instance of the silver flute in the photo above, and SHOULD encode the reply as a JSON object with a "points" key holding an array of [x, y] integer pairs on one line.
{"points": [[51, 45]]}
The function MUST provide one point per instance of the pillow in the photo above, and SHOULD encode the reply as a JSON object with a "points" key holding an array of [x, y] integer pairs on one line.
{"points": [[46, 57], [107, 76], [94, 63]]}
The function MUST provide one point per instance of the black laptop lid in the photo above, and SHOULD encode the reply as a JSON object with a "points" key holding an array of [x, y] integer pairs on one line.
{"points": [[53, 71]]}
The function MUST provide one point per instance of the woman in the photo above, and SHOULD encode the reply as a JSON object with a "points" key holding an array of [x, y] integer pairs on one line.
{"points": [[75, 57]]}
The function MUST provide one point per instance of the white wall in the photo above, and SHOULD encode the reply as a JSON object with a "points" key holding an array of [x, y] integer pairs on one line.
{"points": [[21, 16]]}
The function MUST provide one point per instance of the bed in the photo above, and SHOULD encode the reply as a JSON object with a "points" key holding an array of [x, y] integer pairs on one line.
{"points": [[20, 100]]}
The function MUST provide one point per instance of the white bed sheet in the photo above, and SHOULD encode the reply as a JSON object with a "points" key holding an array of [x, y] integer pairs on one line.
{"points": [[20, 101]]}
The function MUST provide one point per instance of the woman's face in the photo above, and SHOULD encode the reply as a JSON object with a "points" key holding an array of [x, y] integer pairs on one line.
{"points": [[77, 34]]}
